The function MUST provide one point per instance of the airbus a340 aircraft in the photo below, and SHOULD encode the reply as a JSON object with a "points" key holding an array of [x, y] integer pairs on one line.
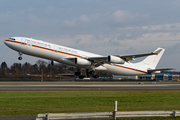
{"points": [[114, 64]]}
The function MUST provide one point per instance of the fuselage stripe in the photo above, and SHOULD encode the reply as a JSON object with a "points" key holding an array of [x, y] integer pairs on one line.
{"points": [[130, 68]]}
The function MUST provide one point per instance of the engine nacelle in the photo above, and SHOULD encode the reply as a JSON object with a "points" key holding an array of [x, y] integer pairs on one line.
{"points": [[81, 61], [54, 63], [114, 59]]}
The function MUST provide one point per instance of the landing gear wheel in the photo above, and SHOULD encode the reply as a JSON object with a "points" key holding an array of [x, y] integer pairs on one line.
{"points": [[77, 73], [20, 54], [19, 58], [91, 72], [87, 73], [82, 76], [95, 76]]}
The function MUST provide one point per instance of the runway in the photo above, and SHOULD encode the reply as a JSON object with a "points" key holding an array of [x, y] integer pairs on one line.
{"points": [[90, 87]]}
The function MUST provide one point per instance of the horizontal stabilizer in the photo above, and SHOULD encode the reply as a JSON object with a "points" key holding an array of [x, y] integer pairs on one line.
{"points": [[154, 70]]}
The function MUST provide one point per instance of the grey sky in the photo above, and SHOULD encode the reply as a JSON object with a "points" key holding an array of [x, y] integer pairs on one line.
{"points": [[99, 26]]}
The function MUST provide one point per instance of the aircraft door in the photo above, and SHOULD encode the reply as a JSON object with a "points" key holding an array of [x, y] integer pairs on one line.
{"points": [[136, 67]]}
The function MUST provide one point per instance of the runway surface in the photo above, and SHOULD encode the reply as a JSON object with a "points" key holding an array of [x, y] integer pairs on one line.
{"points": [[90, 87]]}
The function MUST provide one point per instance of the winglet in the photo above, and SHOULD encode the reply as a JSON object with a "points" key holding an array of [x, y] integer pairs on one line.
{"points": [[157, 51]]}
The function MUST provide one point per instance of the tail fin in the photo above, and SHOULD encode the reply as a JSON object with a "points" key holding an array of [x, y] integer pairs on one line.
{"points": [[153, 60]]}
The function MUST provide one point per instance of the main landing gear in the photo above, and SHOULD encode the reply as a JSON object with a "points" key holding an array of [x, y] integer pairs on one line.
{"points": [[20, 54], [88, 74]]}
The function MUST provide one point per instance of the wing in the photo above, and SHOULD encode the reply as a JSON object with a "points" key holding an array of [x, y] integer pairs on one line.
{"points": [[132, 57], [127, 58], [97, 61]]}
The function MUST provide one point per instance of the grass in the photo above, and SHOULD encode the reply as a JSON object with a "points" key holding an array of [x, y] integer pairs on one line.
{"points": [[25, 103]]}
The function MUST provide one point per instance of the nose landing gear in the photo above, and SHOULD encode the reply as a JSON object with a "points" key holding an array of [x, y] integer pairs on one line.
{"points": [[19, 58], [20, 54]]}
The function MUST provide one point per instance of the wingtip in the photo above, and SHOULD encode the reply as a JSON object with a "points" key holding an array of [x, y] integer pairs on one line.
{"points": [[158, 50]]}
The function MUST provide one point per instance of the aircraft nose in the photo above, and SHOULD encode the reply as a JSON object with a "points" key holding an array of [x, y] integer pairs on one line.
{"points": [[5, 42]]}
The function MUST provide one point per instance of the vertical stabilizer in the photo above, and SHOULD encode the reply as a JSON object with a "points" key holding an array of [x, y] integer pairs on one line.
{"points": [[153, 60]]}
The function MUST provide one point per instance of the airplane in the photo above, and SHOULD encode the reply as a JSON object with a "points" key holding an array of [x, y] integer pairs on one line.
{"points": [[114, 64]]}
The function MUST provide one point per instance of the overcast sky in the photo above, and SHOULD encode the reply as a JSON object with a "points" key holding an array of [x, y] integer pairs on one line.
{"points": [[106, 27]]}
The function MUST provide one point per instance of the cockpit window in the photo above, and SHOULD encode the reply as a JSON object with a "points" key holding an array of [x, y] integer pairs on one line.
{"points": [[11, 39]]}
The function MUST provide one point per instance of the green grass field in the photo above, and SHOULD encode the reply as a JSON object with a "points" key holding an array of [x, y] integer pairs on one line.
{"points": [[25, 103]]}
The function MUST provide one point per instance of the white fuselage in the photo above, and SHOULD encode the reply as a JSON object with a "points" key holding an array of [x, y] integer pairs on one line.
{"points": [[63, 54]]}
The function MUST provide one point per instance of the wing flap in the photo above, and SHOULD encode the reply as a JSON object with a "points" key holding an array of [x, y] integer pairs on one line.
{"points": [[97, 61]]}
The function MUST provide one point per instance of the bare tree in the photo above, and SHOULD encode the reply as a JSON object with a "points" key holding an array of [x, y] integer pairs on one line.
{"points": [[4, 68], [26, 68], [15, 68], [41, 65]]}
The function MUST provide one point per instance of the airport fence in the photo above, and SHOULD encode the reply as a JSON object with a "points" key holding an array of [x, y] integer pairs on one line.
{"points": [[107, 115]]}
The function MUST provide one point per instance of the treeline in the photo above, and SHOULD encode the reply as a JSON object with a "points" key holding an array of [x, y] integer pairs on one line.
{"points": [[40, 67], [45, 68]]}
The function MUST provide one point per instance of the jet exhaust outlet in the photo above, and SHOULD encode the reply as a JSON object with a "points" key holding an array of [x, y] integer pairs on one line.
{"points": [[52, 63]]}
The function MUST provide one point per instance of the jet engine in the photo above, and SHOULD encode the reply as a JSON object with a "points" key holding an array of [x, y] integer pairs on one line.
{"points": [[115, 59], [81, 61], [54, 63]]}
